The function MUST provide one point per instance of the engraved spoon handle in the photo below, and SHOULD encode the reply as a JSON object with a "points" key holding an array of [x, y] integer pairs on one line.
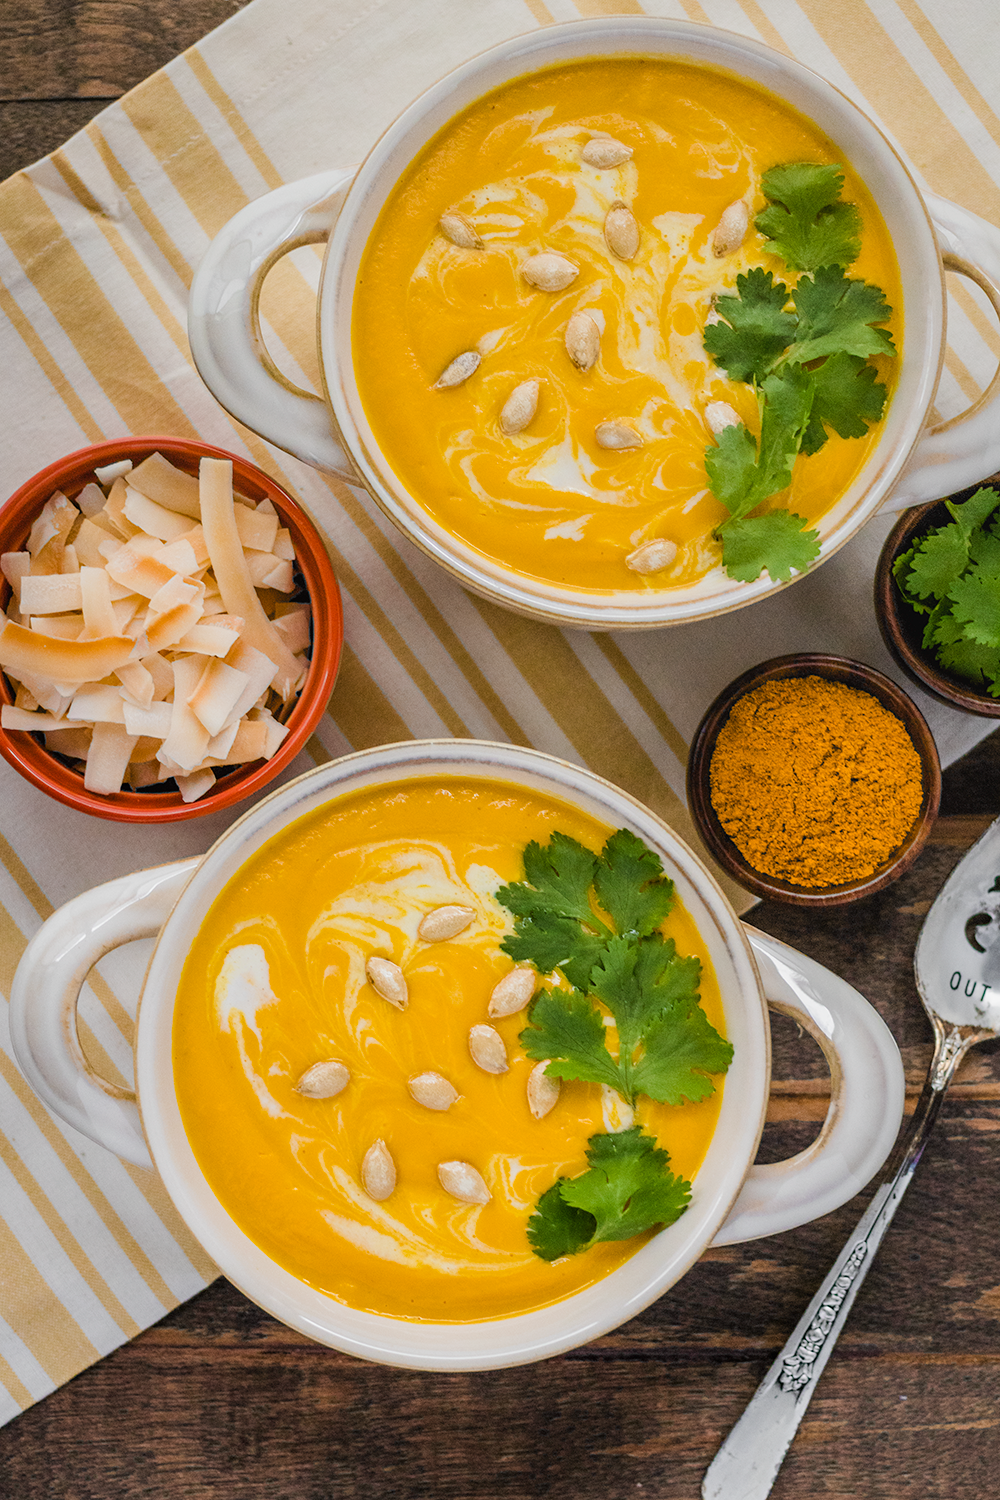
{"points": [[747, 1464]]}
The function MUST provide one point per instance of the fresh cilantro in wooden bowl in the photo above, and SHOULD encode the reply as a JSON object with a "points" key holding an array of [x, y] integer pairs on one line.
{"points": [[937, 598], [807, 352], [594, 920]]}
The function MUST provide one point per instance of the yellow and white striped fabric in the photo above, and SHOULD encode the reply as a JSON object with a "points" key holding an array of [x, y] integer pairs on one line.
{"points": [[97, 248]]}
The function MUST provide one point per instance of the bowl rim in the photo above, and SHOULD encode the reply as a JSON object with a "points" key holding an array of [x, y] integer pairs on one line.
{"points": [[852, 673], [892, 610], [540, 599], [19, 747], [497, 1342]]}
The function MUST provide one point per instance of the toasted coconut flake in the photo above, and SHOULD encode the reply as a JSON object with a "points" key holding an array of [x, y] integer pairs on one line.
{"points": [[175, 591], [70, 562], [154, 519], [282, 546], [12, 717], [62, 661], [110, 748], [154, 721], [62, 627], [257, 529], [96, 703], [108, 473], [51, 594], [15, 566], [219, 689], [157, 478], [73, 743], [196, 785], [187, 741], [209, 640], [294, 628], [95, 598], [180, 557], [250, 743], [260, 672], [230, 569], [164, 631], [87, 543]]}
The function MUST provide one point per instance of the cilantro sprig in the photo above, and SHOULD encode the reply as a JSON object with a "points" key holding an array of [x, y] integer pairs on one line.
{"points": [[952, 577], [595, 920], [806, 353], [627, 1190]]}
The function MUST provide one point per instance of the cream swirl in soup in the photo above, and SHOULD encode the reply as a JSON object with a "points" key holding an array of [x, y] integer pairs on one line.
{"points": [[279, 980], [550, 498]]}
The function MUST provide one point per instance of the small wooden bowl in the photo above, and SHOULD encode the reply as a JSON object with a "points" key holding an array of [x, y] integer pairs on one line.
{"points": [[903, 629], [854, 674]]}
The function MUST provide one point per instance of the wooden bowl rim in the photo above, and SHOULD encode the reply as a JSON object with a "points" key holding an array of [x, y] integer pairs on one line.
{"points": [[853, 674]]}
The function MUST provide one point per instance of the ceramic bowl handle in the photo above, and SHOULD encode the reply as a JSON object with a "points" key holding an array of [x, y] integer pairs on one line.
{"points": [[966, 448], [46, 991], [224, 318], [866, 1105]]}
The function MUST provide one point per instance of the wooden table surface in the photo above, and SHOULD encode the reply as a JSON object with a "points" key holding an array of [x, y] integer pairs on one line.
{"points": [[219, 1400]]}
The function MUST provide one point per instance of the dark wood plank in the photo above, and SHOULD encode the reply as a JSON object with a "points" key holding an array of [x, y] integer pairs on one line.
{"points": [[96, 49], [30, 129]]}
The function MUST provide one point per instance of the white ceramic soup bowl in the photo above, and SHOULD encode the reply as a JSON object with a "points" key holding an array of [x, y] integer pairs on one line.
{"points": [[911, 462], [732, 1199]]}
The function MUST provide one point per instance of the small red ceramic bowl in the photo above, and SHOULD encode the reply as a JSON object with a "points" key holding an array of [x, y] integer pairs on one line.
{"points": [[26, 752]]}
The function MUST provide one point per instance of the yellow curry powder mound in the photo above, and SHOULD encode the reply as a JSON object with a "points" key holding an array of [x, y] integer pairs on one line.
{"points": [[815, 782]]}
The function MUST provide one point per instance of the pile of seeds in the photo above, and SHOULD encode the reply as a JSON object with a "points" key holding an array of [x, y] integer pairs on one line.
{"points": [[552, 272], [329, 1077]]}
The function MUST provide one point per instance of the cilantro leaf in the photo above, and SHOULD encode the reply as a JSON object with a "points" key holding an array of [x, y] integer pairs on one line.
{"points": [[984, 548], [754, 329], [556, 1228], [836, 316], [628, 1188], [777, 542], [681, 1050], [638, 982], [937, 562], [847, 396], [976, 598], [552, 943], [559, 876], [786, 401], [555, 923], [731, 466], [977, 510], [979, 664], [566, 1029], [805, 222], [631, 885]]}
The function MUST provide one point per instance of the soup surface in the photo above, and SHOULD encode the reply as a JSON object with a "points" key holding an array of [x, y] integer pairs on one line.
{"points": [[276, 980], [549, 501]]}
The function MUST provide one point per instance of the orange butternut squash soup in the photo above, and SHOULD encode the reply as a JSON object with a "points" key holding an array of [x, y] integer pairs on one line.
{"points": [[349, 1068], [553, 327]]}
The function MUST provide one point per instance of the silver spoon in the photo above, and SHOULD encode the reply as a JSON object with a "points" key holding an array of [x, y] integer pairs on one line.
{"points": [[957, 968]]}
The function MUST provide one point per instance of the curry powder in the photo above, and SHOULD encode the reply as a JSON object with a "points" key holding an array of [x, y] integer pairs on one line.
{"points": [[815, 782]]}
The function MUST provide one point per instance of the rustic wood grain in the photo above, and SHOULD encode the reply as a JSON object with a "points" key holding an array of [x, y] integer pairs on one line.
{"points": [[96, 49]]}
